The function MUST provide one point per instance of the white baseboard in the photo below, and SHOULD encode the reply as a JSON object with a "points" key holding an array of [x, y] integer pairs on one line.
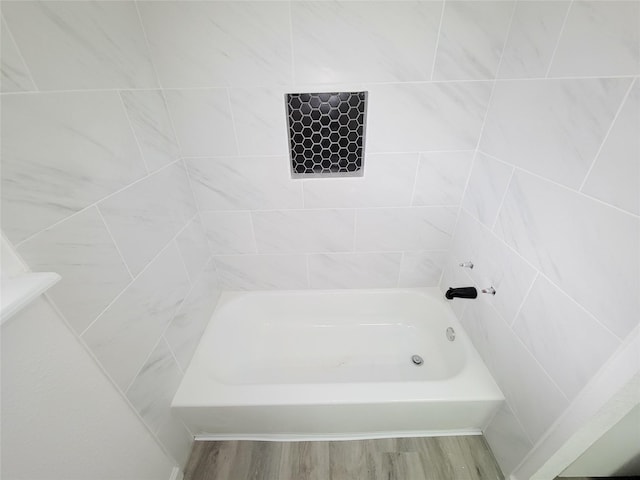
{"points": [[273, 437]]}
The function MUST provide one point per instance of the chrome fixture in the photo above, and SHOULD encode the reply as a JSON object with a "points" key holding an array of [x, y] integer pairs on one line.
{"points": [[466, 264], [417, 360], [451, 334], [490, 290]]}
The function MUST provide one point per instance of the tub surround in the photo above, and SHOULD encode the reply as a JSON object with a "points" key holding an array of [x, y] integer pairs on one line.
{"points": [[120, 113]]}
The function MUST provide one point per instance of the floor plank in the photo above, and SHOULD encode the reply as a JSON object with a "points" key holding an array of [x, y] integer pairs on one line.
{"points": [[431, 458]]}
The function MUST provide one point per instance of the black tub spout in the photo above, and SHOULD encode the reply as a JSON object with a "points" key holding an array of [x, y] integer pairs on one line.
{"points": [[462, 292]]}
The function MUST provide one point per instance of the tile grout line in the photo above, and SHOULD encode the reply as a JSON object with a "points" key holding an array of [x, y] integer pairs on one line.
{"points": [[182, 260], [144, 362], [253, 237], [178, 309], [24, 61], [147, 44], [169, 243], [520, 424], [494, 80], [581, 392], [540, 273], [293, 65], [504, 43], [581, 307], [95, 203], [400, 269], [524, 299], [173, 355], [564, 187], [439, 33], [336, 85], [133, 132], [502, 200], [284, 155], [460, 206], [340, 252], [415, 181], [555, 49], [114, 242], [355, 230], [117, 387], [606, 136], [526, 349], [233, 120]]}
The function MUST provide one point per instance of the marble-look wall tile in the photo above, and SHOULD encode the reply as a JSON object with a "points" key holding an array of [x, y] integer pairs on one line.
{"points": [[148, 214], [81, 143], [600, 38], [194, 248], [81, 250], [184, 332], [122, 337], [487, 185], [532, 39], [615, 176], [207, 44], [354, 270], [262, 272], [441, 178], [203, 123], [467, 240], [304, 231], [421, 269], [387, 182], [177, 440], [150, 121], [371, 41], [568, 342], [260, 120], [15, 76], [426, 116], [397, 229], [152, 390], [229, 232], [245, 183], [81, 45], [535, 399], [552, 127], [472, 36], [582, 244], [497, 266], [508, 441]]}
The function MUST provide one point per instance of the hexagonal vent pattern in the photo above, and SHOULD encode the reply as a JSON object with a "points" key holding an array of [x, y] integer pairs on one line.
{"points": [[326, 133]]}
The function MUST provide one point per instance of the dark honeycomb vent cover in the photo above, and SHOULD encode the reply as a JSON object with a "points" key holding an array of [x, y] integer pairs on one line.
{"points": [[326, 133]]}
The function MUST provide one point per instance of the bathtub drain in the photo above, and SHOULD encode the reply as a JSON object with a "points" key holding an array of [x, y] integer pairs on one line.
{"points": [[417, 360]]}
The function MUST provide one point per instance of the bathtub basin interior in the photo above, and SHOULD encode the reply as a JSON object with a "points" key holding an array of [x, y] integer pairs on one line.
{"points": [[334, 364]]}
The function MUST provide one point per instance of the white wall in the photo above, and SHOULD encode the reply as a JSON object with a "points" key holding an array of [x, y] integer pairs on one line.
{"points": [[617, 452], [61, 418], [93, 188], [551, 213]]}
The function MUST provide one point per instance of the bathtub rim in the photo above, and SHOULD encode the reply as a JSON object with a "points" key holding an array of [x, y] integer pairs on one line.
{"points": [[192, 394]]}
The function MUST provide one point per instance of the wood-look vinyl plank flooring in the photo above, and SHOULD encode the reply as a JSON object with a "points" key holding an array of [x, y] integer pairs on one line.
{"points": [[430, 458]]}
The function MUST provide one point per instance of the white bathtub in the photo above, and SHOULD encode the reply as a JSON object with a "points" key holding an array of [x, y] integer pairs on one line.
{"points": [[335, 364]]}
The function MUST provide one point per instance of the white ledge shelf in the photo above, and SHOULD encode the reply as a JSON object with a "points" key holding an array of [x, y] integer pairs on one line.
{"points": [[21, 290]]}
